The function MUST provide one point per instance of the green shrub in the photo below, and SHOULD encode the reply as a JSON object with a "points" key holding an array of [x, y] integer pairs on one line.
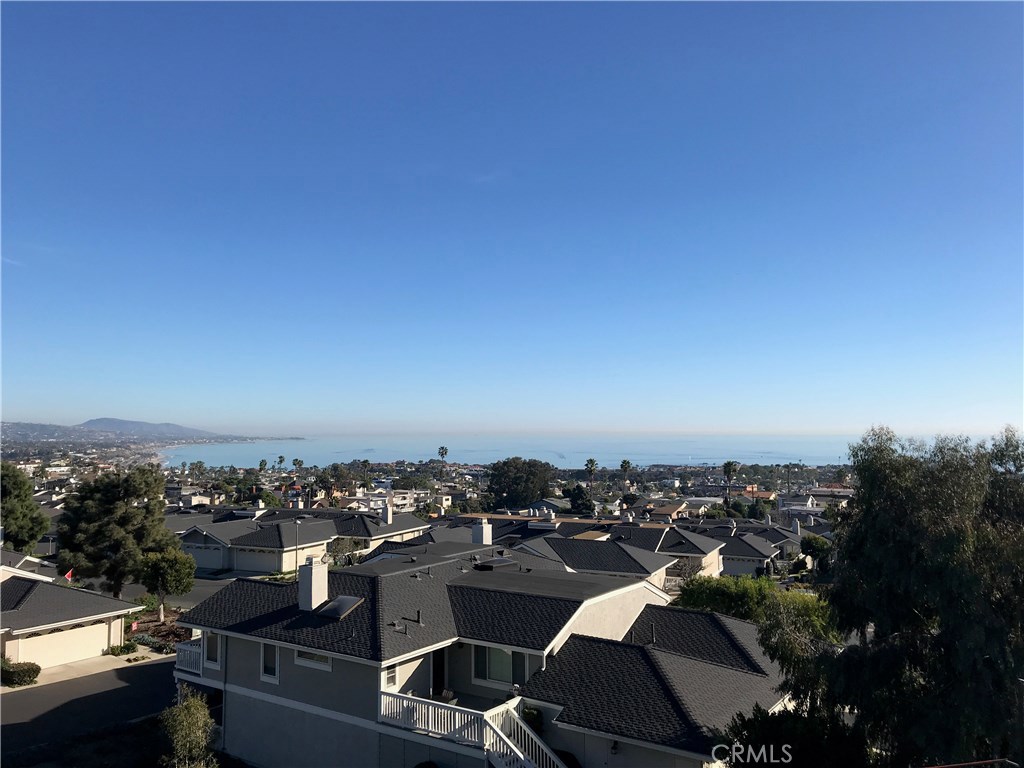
{"points": [[121, 650], [148, 601], [22, 673]]}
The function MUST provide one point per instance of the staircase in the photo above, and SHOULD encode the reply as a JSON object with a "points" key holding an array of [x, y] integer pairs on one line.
{"points": [[529, 751]]}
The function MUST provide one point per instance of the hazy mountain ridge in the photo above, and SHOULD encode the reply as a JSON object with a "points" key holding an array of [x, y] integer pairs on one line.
{"points": [[104, 429], [143, 428]]}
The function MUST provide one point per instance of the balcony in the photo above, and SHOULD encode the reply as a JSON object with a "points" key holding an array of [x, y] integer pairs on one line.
{"points": [[500, 732], [190, 657]]}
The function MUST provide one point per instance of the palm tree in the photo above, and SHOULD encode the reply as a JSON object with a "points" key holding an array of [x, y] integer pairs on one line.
{"points": [[280, 462], [443, 453], [729, 470], [591, 468], [263, 465], [625, 466], [365, 463], [297, 463]]}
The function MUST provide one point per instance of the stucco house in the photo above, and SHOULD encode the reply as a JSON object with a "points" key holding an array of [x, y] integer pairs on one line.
{"points": [[433, 657], [51, 625]]}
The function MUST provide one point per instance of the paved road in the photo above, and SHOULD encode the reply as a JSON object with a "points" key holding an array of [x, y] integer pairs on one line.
{"points": [[203, 589], [59, 712]]}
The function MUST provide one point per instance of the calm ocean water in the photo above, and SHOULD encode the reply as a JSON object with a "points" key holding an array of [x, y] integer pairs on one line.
{"points": [[565, 451]]}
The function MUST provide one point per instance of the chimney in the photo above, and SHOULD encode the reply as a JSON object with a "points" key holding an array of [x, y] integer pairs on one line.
{"points": [[629, 517], [482, 532], [389, 511], [796, 526], [767, 519], [732, 526], [551, 516], [312, 585]]}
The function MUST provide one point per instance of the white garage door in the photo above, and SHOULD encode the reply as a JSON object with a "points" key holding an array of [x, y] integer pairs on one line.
{"points": [[262, 562], [55, 648]]}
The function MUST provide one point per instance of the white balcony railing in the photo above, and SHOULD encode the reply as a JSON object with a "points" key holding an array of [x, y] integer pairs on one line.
{"points": [[190, 657], [506, 738]]}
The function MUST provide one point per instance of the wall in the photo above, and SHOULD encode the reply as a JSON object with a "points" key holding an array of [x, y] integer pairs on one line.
{"points": [[413, 675], [349, 686], [612, 616]]}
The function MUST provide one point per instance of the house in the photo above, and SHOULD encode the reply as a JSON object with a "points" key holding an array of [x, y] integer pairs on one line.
{"points": [[433, 658], [663, 688], [614, 558], [49, 624], [400, 661]]}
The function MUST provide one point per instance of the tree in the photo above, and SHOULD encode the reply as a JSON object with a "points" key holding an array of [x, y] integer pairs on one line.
{"points": [[742, 597], [263, 465], [189, 728], [629, 499], [927, 573], [729, 470], [111, 523], [442, 452], [24, 523], [818, 549], [581, 502], [298, 464], [170, 572], [591, 468], [365, 464], [196, 470], [625, 466], [518, 482], [280, 463]]}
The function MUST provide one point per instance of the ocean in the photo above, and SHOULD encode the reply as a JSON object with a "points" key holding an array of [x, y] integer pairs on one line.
{"points": [[564, 451]]}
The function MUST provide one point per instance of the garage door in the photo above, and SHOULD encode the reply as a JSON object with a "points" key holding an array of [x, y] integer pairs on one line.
{"points": [[262, 562], [206, 557], [55, 648]]}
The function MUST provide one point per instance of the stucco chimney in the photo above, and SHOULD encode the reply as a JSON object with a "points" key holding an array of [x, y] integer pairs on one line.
{"points": [[796, 526], [767, 519], [482, 532], [389, 510], [312, 585]]}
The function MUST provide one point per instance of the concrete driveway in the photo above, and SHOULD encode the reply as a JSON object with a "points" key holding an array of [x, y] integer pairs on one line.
{"points": [[40, 715]]}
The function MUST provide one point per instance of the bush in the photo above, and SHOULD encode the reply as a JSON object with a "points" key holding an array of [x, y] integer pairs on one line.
{"points": [[189, 727], [121, 650], [148, 601], [144, 638], [22, 673]]}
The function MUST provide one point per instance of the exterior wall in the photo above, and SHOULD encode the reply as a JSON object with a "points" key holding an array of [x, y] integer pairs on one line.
{"points": [[407, 754], [593, 750], [267, 735], [461, 681], [63, 646], [413, 677], [348, 687], [212, 556], [612, 616]]}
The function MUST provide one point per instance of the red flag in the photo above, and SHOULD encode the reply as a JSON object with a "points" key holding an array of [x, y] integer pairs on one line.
{"points": [[68, 574]]}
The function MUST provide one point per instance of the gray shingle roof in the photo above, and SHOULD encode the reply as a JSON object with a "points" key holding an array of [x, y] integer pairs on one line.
{"points": [[610, 556], [679, 542], [636, 536], [698, 673], [28, 603], [508, 618]]}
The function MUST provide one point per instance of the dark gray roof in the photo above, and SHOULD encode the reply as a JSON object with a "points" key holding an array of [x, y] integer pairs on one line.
{"points": [[610, 556], [28, 603], [679, 542], [700, 670], [637, 536], [508, 618], [286, 535]]}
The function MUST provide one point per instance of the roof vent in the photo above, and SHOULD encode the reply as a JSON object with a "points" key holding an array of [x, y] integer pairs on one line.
{"points": [[495, 563]]}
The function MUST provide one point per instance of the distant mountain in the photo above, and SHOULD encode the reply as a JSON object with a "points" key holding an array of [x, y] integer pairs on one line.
{"points": [[143, 429]]}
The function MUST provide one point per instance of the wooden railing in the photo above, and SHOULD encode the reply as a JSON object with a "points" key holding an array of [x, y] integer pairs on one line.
{"points": [[189, 656]]}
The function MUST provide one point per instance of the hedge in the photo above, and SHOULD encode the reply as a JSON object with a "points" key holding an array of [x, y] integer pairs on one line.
{"points": [[22, 673]]}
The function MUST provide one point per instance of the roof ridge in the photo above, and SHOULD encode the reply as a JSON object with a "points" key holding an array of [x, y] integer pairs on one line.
{"points": [[736, 641], [27, 593], [666, 681], [699, 660]]}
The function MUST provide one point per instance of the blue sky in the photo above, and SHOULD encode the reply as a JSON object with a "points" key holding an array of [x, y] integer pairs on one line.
{"points": [[312, 218]]}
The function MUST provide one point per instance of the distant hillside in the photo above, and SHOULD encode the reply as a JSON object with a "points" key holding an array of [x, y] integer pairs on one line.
{"points": [[143, 429]]}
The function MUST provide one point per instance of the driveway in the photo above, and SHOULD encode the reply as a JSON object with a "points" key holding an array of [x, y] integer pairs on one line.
{"points": [[52, 714]]}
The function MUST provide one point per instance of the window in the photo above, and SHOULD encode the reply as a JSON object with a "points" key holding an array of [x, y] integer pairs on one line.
{"points": [[499, 666], [392, 676], [268, 668], [314, 660], [211, 642]]}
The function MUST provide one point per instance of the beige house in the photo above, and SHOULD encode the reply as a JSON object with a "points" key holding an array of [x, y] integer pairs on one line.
{"points": [[51, 625]]}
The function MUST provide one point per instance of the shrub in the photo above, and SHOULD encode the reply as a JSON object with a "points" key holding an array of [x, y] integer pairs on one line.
{"points": [[22, 673], [148, 601], [144, 638], [121, 650], [189, 727]]}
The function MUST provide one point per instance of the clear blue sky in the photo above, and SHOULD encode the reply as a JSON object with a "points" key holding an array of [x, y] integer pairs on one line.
{"points": [[308, 218]]}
